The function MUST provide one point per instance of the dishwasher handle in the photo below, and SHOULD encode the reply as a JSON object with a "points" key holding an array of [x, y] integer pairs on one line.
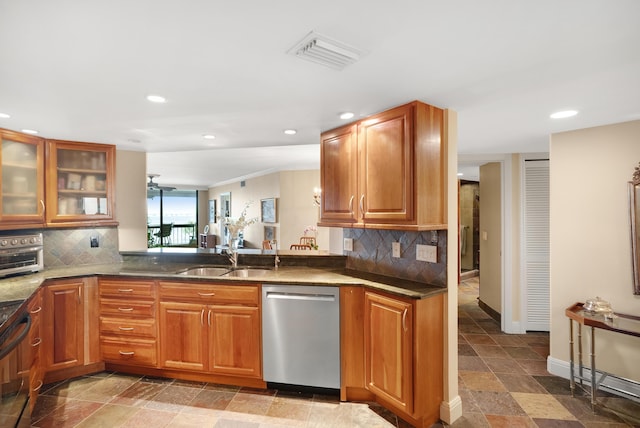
{"points": [[301, 296]]}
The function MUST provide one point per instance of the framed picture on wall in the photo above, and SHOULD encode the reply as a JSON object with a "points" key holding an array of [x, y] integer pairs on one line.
{"points": [[269, 233], [268, 210], [212, 211]]}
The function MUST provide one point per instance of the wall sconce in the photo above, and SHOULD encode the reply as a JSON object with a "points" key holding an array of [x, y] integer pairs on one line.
{"points": [[317, 192]]}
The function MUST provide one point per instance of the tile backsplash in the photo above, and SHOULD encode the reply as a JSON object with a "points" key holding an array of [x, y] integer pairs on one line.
{"points": [[372, 253], [67, 247]]}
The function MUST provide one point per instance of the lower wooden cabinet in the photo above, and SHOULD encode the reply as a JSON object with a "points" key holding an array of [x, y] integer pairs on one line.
{"points": [[392, 352], [389, 349], [209, 330], [29, 352], [128, 326], [69, 328]]}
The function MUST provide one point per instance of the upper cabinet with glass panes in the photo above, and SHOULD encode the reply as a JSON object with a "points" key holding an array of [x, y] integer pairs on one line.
{"points": [[80, 187], [22, 180]]}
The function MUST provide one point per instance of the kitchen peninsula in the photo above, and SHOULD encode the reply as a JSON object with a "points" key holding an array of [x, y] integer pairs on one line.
{"points": [[120, 315]]}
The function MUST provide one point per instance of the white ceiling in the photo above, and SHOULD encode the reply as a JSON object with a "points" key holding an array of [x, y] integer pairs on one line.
{"points": [[81, 70]]}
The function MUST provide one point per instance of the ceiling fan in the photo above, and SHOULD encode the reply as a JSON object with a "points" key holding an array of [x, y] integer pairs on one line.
{"points": [[151, 185]]}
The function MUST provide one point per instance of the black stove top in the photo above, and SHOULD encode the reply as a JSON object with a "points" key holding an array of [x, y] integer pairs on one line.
{"points": [[7, 309]]}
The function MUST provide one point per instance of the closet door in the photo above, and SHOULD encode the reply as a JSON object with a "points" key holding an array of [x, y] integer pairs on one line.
{"points": [[536, 245]]}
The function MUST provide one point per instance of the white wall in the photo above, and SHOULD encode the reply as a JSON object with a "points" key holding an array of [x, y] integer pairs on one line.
{"points": [[590, 241], [131, 200]]}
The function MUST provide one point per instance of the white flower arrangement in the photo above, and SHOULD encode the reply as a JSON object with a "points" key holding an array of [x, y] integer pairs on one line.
{"points": [[238, 225]]}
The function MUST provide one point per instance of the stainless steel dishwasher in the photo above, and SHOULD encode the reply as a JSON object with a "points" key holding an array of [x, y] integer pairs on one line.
{"points": [[301, 335]]}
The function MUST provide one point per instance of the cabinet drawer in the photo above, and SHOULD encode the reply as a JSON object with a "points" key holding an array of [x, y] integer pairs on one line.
{"points": [[129, 351], [124, 307], [130, 289], [128, 326], [243, 294]]}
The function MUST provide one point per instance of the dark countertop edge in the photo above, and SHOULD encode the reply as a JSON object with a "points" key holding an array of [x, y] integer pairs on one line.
{"points": [[335, 276]]}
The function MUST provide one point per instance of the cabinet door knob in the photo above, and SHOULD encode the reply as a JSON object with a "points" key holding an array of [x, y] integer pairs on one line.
{"points": [[202, 317], [36, 342], [125, 309], [37, 388], [126, 353], [351, 204], [126, 328], [206, 294], [36, 310], [362, 205], [404, 319], [125, 290]]}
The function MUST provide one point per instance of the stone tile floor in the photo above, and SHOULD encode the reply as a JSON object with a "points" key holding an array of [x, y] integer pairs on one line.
{"points": [[502, 378]]}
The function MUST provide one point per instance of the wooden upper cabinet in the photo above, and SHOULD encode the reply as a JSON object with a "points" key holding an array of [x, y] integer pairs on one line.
{"points": [[339, 180], [80, 183], [21, 181], [387, 171]]}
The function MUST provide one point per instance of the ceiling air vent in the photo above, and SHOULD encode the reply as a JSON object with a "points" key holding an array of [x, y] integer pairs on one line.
{"points": [[326, 51]]}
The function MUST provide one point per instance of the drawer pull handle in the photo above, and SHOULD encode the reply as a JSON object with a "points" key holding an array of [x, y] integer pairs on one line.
{"points": [[206, 294], [37, 388], [125, 290], [125, 309], [126, 353], [126, 328], [36, 342], [38, 309]]}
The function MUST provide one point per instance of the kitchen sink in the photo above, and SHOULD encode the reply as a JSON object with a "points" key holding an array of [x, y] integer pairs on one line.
{"points": [[247, 272], [205, 271]]}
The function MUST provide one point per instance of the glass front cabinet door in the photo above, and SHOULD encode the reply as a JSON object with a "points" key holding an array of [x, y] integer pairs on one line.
{"points": [[80, 187], [22, 182]]}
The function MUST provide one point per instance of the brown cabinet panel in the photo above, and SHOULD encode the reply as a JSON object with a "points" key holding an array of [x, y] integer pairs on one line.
{"points": [[206, 293], [234, 340], [127, 307], [21, 180], [183, 336], [339, 165], [127, 289], [145, 327], [129, 351], [387, 171], [389, 349], [80, 183], [63, 327]]}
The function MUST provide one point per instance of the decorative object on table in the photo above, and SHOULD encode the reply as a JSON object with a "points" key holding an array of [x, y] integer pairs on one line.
{"points": [[634, 215], [598, 306], [310, 237], [268, 210], [237, 226]]}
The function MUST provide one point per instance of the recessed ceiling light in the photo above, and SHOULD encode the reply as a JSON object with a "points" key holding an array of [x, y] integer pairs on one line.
{"points": [[346, 115], [4, 116], [563, 114], [460, 174], [29, 131], [208, 137], [156, 99], [290, 131]]}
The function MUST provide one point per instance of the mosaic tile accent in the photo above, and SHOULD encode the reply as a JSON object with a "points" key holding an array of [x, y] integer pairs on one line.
{"points": [[67, 247], [372, 253]]}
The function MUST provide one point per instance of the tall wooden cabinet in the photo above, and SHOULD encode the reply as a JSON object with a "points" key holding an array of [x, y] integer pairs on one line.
{"points": [[387, 171], [22, 180]]}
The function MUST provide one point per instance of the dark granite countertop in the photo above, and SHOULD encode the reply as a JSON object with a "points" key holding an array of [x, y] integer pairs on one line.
{"points": [[22, 287]]}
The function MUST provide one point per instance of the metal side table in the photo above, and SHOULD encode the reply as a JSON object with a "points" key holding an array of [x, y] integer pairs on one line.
{"points": [[621, 323]]}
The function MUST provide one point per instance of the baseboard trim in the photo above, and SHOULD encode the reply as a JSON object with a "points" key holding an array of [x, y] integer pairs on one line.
{"points": [[452, 410], [490, 311], [612, 383]]}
